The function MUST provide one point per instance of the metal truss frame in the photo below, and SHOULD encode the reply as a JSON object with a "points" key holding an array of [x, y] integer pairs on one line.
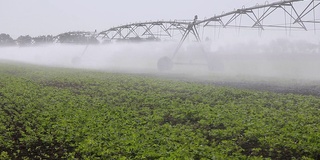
{"points": [[310, 7], [156, 29], [253, 13], [257, 16], [152, 29]]}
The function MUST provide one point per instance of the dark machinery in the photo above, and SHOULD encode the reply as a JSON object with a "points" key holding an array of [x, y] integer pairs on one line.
{"points": [[258, 17]]}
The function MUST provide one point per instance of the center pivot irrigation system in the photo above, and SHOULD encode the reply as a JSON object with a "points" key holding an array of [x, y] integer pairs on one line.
{"points": [[297, 15]]}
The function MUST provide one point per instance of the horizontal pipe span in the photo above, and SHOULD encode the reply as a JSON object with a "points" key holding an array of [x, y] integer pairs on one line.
{"points": [[244, 10]]}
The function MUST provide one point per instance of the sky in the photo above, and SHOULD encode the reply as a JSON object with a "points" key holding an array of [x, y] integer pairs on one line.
{"points": [[52, 17]]}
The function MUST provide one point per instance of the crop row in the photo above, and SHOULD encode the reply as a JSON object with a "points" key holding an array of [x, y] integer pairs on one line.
{"points": [[82, 114]]}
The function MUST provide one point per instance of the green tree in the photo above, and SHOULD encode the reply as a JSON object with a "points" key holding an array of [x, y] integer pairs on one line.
{"points": [[77, 38], [43, 39], [6, 40], [24, 40]]}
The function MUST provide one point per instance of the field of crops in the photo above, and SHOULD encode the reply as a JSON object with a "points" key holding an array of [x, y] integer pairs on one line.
{"points": [[55, 113]]}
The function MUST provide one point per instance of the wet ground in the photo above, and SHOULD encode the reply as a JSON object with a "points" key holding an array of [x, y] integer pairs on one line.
{"points": [[302, 89], [276, 85]]}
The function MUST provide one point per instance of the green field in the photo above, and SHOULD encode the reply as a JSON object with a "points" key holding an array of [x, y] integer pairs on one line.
{"points": [[57, 113]]}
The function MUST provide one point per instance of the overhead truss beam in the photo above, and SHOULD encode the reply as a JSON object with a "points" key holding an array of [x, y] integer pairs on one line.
{"points": [[145, 30], [258, 16]]}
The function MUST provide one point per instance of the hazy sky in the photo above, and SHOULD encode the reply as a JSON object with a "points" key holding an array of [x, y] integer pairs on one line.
{"points": [[42, 17]]}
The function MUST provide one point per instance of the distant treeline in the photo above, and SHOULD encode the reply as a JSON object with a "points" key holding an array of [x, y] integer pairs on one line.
{"points": [[68, 37]]}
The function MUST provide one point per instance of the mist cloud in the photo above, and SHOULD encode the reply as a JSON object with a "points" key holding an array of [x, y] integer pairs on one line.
{"points": [[278, 58]]}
